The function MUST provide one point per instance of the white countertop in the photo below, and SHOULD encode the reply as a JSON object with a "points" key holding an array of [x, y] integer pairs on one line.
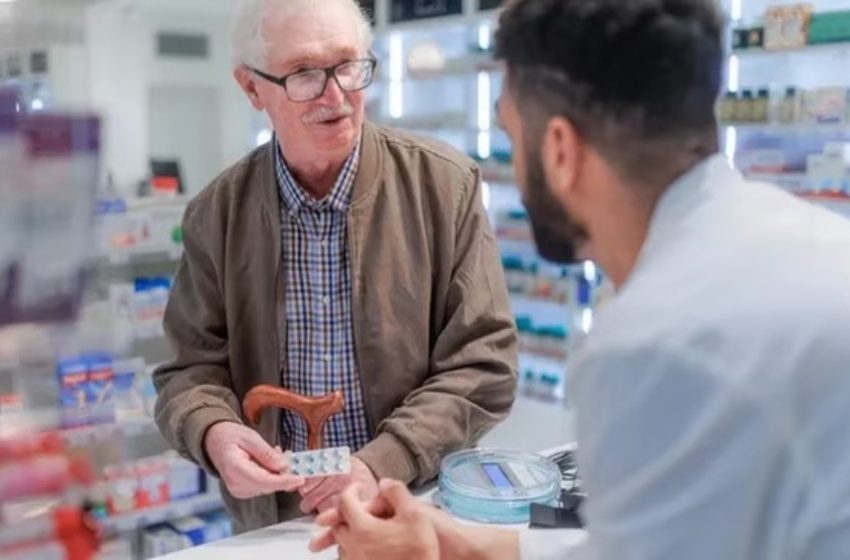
{"points": [[532, 426]]}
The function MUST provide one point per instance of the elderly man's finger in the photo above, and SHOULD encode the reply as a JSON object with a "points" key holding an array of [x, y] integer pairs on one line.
{"points": [[311, 485], [332, 486]]}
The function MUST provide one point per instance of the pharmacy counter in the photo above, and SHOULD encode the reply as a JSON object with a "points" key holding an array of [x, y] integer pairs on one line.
{"points": [[531, 426]]}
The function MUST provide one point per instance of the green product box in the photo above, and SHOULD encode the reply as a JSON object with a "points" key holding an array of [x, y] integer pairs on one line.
{"points": [[829, 27]]}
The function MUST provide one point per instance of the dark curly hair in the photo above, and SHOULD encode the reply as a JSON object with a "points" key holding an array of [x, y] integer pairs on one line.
{"points": [[638, 79]]}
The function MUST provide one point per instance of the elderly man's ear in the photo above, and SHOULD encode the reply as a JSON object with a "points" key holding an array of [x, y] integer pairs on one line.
{"points": [[248, 84]]}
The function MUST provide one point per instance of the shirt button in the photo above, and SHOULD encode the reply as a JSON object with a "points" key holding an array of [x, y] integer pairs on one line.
{"points": [[327, 357], [325, 243], [326, 300]]}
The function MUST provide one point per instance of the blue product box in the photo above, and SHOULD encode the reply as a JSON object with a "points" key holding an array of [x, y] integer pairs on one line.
{"points": [[73, 399], [100, 389]]}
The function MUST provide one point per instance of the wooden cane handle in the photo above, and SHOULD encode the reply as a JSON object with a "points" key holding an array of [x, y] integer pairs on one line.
{"points": [[315, 411]]}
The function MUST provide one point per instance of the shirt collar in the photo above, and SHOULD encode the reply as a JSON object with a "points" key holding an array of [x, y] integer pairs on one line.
{"points": [[295, 198], [686, 196]]}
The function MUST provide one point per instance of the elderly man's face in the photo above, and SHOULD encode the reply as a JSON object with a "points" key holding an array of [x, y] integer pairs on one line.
{"points": [[317, 37]]}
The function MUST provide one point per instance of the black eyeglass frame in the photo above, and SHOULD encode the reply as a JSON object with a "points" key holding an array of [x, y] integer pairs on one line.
{"points": [[330, 72]]}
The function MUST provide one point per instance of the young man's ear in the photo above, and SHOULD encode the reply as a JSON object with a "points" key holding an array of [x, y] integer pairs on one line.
{"points": [[561, 157]]}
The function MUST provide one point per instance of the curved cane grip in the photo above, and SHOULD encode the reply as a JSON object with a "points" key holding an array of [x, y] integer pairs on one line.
{"points": [[315, 411]]}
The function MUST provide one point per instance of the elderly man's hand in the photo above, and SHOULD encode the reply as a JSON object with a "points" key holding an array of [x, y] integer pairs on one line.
{"points": [[454, 541], [248, 465], [392, 526], [321, 494]]}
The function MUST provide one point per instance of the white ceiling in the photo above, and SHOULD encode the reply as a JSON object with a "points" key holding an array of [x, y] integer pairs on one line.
{"points": [[26, 23], [33, 22]]}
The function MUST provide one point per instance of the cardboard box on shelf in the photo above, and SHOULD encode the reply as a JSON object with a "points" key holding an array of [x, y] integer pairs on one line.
{"points": [[829, 27], [825, 105], [787, 27]]}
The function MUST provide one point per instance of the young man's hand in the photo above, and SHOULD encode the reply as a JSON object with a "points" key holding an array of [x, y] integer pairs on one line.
{"points": [[397, 525]]}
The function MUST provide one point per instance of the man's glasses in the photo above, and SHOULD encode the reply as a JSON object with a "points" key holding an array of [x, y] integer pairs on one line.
{"points": [[307, 85]]}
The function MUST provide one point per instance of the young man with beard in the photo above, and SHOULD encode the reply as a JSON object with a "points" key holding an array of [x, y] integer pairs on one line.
{"points": [[713, 396]]}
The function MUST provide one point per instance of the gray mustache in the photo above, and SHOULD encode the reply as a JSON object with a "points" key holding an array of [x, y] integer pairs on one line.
{"points": [[323, 114]]}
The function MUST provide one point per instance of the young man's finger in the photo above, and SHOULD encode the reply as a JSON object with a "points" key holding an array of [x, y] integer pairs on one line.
{"points": [[352, 510], [329, 518], [342, 536], [323, 541], [380, 507], [395, 493]]}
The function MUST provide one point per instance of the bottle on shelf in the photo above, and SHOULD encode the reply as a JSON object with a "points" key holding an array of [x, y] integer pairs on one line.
{"points": [[727, 107], [761, 106], [789, 111], [744, 107]]}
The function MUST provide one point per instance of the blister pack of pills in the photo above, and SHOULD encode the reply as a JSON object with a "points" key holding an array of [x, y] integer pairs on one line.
{"points": [[321, 462]]}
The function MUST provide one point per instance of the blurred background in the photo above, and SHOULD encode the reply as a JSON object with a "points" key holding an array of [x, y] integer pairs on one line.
{"points": [[114, 113]]}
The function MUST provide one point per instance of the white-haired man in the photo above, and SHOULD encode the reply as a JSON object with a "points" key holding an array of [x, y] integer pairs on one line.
{"points": [[340, 256]]}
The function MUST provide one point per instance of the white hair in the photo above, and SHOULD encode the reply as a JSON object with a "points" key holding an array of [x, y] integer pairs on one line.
{"points": [[250, 46]]}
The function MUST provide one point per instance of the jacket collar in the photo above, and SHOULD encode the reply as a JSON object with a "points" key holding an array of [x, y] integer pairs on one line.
{"points": [[365, 184]]}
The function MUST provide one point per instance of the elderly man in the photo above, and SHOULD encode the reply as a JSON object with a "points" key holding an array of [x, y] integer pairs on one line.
{"points": [[713, 397], [341, 256]]}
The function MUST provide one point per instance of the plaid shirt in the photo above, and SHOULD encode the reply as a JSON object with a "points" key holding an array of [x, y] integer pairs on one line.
{"points": [[320, 333]]}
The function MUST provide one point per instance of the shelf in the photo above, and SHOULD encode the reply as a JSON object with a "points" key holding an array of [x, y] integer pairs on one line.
{"points": [[825, 196], [542, 358], [448, 121], [454, 68], [796, 184], [160, 514], [527, 300], [788, 181], [795, 128], [843, 48], [502, 173], [524, 241], [89, 435], [144, 256]]}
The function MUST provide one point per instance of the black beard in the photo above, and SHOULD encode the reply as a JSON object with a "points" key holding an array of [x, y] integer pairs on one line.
{"points": [[556, 234]]}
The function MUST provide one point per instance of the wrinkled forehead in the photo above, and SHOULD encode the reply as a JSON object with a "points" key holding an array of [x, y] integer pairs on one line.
{"points": [[317, 35]]}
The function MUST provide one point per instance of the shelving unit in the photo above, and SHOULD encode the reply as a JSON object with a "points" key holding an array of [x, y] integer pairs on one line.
{"points": [[438, 78], [152, 516], [103, 433], [133, 238], [789, 129], [840, 48], [792, 154]]}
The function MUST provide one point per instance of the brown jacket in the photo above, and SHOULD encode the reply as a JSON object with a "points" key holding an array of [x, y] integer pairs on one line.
{"points": [[434, 336]]}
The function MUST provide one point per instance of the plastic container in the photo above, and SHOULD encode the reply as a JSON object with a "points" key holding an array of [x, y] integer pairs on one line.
{"points": [[490, 486]]}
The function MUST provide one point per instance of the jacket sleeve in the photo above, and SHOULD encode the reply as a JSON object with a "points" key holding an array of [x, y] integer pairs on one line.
{"points": [[473, 378], [194, 389]]}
